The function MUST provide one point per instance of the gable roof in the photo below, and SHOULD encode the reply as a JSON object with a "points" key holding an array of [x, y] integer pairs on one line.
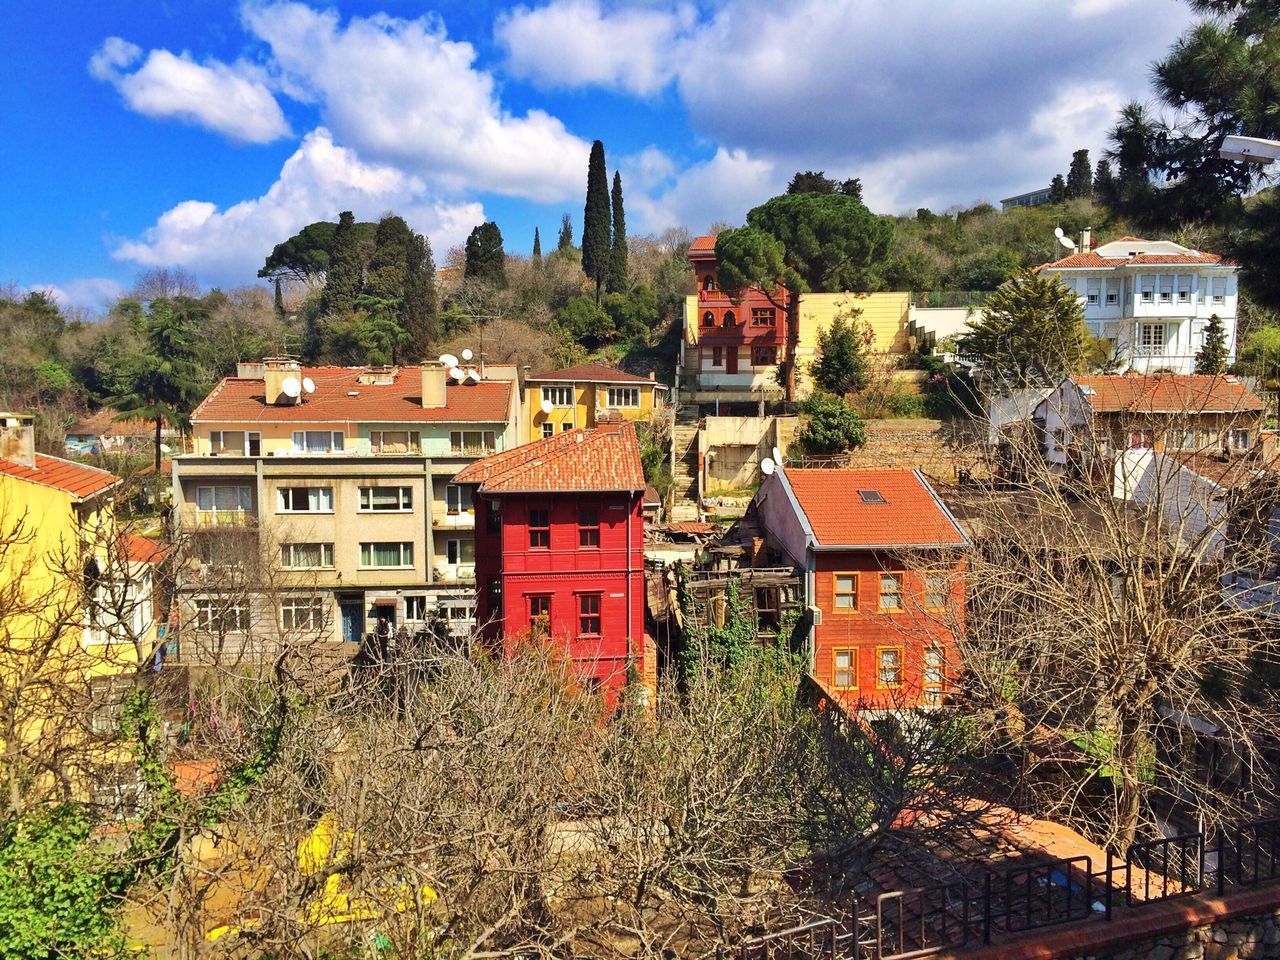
{"points": [[593, 373], [579, 460], [74, 478], [910, 516], [244, 400], [1167, 393], [704, 244], [1092, 260]]}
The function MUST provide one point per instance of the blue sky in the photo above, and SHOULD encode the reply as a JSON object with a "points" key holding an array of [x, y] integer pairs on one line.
{"points": [[200, 133]]}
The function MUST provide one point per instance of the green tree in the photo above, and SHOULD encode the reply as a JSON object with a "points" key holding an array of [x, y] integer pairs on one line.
{"points": [[1212, 357], [1031, 332], [801, 242], [841, 367], [831, 426], [1260, 353], [1104, 182], [634, 313], [596, 236], [565, 240], [817, 181], [985, 269], [279, 297], [420, 307], [1080, 176], [385, 270], [618, 253], [537, 247], [586, 321], [486, 259], [342, 281], [1057, 189], [1256, 245]]}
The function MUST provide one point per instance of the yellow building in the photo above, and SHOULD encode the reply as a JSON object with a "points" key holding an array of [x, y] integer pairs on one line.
{"points": [[885, 314], [75, 612], [560, 400]]}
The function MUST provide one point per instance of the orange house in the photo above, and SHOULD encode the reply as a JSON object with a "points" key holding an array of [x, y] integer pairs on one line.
{"points": [[883, 562]]}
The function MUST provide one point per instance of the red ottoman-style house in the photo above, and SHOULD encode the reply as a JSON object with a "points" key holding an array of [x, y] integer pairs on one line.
{"points": [[883, 563], [560, 549]]}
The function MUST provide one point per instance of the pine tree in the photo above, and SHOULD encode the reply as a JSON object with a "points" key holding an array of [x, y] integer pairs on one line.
{"points": [[618, 255], [342, 283], [1104, 184], [1211, 359], [566, 234], [419, 311], [537, 248], [596, 237], [486, 258], [1057, 189], [1080, 176]]}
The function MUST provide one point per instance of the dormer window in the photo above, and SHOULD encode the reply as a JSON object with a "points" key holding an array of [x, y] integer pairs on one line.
{"points": [[871, 496]]}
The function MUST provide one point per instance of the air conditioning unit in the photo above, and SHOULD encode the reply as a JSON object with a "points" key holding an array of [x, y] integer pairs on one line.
{"points": [[815, 615]]}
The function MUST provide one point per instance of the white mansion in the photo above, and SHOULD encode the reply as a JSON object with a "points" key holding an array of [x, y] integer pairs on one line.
{"points": [[1152, 299]]}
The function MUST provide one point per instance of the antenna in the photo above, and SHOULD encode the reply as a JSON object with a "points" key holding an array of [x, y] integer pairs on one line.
{"points": [[448, 360], [292, 387], [767, 466], [309, 385], [467, 354]]}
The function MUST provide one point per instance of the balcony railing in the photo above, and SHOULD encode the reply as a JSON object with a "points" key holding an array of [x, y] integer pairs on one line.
{"points": [[225, 518], [454, 519]]}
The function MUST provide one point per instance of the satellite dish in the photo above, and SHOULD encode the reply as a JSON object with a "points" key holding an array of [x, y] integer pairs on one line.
{"points": [[448, 360], [457, 373], [292, 387], [1067, 242], [777, 455], [767, 466], [473, 376], [467, 354], [1057, 232], [164, 448], [547, 406], [309, 385]]}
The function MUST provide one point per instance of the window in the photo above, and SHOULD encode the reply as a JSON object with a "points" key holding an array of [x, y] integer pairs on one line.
{"points": [[304, 500], [1113, 292], [935, 591], [589, 614], [492, 518], [708, 282], [708, 319], [764, 356], [106, 699], [1166, 289], [559, 396], [306, 556], [457, 499], [1184, 288], [717, 356], [302, 613], [1093, 292], [386, 499], [1188, 439], [1240, 440], [730, 318], [764, 317], [221, 616], [471, 442], [225, 504], [1140, 440], [1153, 336], [395, 441], [495, 596], [588, 526], [386, 555], [1147, 289], [415, 608], [566, 426], [934, 675], [845, 591], [889, 667], [539, 528], [891, 591], [623, 397], [459, 551], [540, 615], [454, 612], [844, 669], [1218, 289], [548, 430], [227, 442], [871, 496], [317, 441]]}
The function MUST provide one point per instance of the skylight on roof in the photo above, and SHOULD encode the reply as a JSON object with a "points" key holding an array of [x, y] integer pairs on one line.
{"points": [[872, 496]]}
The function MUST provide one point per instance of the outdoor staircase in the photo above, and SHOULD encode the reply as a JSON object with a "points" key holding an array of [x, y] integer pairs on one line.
{"points": [[684, 486]]}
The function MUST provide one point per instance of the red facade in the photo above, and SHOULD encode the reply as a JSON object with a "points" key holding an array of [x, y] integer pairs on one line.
{"points": [[751, 332]]}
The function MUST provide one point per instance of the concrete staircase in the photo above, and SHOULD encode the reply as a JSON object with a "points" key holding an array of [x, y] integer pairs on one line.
{"points": [[684, 487]]}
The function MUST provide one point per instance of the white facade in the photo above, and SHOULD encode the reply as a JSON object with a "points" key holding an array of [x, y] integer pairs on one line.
{"points": [[1153, 300]]}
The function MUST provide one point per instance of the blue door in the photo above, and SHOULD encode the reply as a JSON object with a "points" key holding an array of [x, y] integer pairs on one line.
{"points": [[352, 622]]}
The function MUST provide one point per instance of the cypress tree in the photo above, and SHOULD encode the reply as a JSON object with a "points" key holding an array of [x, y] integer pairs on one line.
{"points": [[279, 299], [1212, 357], [537, 248], [342, 283], [486, 258], [1080, 175], [566, 234], [618, 255], [1058, 189], [1104, 184], [419, 312], [596, 239]]}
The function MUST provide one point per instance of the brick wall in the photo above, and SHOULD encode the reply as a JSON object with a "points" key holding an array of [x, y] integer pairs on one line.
{"points": [[937, 447]]}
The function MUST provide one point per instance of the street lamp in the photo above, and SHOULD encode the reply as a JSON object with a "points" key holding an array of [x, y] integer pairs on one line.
{"points": [[1250, 150]]}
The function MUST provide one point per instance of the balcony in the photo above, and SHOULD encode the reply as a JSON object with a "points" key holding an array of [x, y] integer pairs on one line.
{"points": [[455, 572], [453, 519], [224, 518]]}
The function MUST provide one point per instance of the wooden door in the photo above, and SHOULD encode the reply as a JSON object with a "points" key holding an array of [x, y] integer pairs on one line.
{"points": [[731, 360]]}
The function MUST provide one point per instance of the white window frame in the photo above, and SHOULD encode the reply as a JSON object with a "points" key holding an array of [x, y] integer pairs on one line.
{"points": [[311, 608], [548, 429], [289, 556], [1183, 286], [1113, 292], [211, 615], [1149, 342], [413, 441], [415, 608], [458, 442], [335, 444], [1218, 290], [1093, 292], [561, 397], [1147, 288], [455, 503], [243, 498], [1165, 288], [218, 442], [619, 398], [285, 497], [1241, 438], [404, 500], [405, 549]]}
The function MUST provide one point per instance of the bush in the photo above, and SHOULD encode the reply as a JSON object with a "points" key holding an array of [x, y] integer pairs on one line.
{"points": [[832, 426], [905, 405]]}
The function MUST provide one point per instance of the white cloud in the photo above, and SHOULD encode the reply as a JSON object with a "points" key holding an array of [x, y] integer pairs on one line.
{"points": [[400, 92], [230, 100], [573, 43], [85, 293], [722, 188], [320, 180]]}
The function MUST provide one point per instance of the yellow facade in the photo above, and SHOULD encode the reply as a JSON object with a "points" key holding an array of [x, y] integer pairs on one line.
{"points": [[887, 315], [590, 399]]}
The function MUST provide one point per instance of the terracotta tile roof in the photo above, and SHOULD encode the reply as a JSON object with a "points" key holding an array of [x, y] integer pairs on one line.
{"points": [[74, 478], [576, 460], [243, 400], [693, 528], [1090, 259], [703, 245], [1169, 393], [591, 373], [1132, 240], [139, 549], [912, 514]]}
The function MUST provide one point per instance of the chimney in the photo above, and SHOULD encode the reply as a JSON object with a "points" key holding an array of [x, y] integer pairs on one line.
{"points": [[18, 438], [1086, 240], [653, 374], [433, 385], [276, 370]]}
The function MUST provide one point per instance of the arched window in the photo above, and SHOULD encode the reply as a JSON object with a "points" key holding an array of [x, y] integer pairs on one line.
{"points": [[708, 282], [708, 319], [729, 318]]}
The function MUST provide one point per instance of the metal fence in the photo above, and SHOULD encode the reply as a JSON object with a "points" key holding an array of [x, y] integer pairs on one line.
{"points": [[995, 903]]}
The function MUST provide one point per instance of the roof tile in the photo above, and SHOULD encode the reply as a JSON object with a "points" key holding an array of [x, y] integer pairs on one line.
{"points": [[1168, 393], [911, 516], [576, 460], [592, 373], [74, 478]]}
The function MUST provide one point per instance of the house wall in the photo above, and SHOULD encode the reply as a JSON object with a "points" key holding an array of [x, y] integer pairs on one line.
{"points": [[590, 399], [277, 438], [780, 517], [736, 445]]}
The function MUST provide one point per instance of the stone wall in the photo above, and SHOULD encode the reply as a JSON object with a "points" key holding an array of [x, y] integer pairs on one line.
{"points": [[939, 448], [1242, 938]]}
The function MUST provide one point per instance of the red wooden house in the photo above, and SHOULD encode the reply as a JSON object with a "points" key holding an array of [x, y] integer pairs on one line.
{"points": [[883, 562], [560, 549]]}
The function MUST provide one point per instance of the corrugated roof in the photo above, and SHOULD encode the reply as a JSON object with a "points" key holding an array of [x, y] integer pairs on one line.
{"points": [[243, 400], [576, 460], [592, 373], [1168, 393], [911, 514], [74, 478]]}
